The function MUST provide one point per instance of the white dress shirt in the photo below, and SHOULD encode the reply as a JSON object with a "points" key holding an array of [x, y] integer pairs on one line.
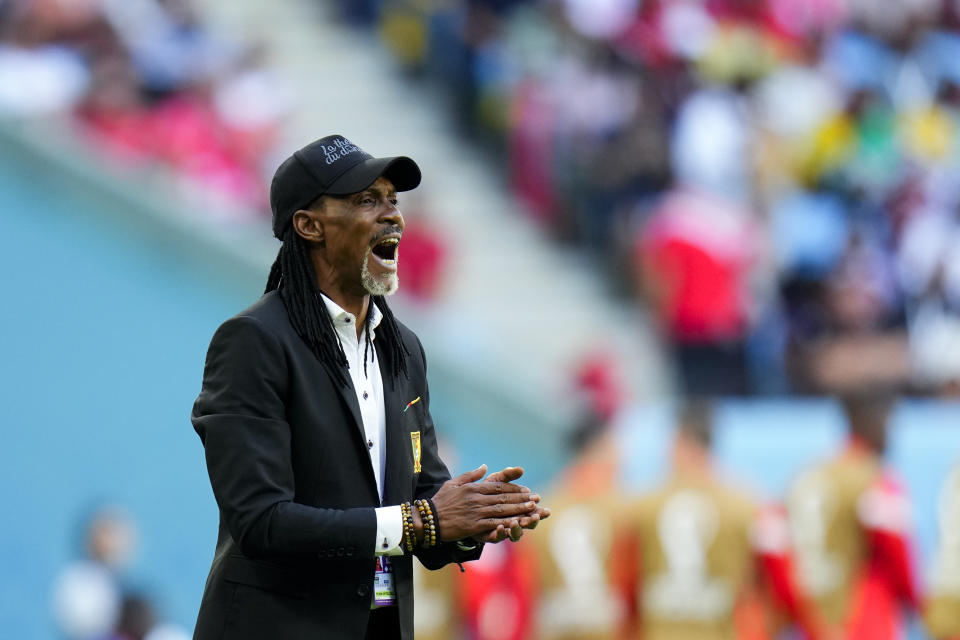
{"points": [[369, 389]]}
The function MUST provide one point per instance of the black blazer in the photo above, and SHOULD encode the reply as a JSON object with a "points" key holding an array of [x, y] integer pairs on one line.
{"points": [[291, 473]]}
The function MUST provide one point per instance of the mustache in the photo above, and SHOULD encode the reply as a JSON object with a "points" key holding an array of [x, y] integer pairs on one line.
{"points": [[383, 233]]}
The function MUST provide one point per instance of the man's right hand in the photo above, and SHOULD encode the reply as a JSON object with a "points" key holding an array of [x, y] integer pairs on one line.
{"points": [[467, 508]]}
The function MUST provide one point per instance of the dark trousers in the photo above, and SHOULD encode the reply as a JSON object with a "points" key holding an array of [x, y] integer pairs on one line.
{"points": [[384, 624]]}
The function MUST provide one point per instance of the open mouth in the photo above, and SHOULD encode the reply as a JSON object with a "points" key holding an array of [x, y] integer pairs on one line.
{"points": [[385, 251]]}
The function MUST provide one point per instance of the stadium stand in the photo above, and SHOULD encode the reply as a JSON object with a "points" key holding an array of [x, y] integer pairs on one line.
{"points": [[777, 176]]}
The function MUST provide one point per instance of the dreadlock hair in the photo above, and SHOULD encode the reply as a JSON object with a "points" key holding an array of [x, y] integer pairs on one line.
{"points": [[293, 275]]}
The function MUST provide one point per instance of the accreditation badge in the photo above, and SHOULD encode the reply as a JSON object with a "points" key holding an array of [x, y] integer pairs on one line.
{"points": [[415, 445], [384, 591]]}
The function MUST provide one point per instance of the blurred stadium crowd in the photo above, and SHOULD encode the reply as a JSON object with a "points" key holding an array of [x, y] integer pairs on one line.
{"points": [[776, 179], [151, 85]]}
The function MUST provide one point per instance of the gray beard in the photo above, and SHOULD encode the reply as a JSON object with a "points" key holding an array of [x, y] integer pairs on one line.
{"points": [[376, 287]]}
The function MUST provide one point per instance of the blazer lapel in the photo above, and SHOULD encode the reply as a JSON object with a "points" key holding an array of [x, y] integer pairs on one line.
{"points": [[398, 442]]}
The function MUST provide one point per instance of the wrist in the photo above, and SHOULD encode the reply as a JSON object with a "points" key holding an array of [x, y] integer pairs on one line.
{"points": [[430, 531], [417, 526], [409, 536]]}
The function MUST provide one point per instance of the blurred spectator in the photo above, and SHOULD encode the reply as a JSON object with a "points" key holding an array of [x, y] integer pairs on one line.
{"points": [[87, 594], [495, 596], [942, 611], [711, 143], [694, 258], [598, 387], [436, 616], [929, 268], [573, 562], [491, 599], [849, 518], [136, 619], [426, 251], [860, 342], [703, 559]]}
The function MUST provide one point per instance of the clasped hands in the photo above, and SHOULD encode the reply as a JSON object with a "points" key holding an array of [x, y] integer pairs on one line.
{"points": [[491, 510]]}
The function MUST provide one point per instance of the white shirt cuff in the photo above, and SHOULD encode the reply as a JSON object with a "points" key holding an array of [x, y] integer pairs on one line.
{"points": [[389, 531]]}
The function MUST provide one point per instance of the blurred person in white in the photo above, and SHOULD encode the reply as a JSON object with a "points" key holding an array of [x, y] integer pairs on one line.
{"points": [[600, 19], [42, 66], [173, 49], [700, 558], [87, 594], [712, 143], [942, 610], [929, 268], [850, 524], [168, 43], [596, 97]]}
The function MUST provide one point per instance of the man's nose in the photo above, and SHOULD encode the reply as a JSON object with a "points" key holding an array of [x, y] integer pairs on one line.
{"points": [[393, 216]]}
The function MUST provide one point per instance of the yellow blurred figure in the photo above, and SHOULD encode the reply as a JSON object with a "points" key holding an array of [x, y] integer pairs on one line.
{"points": [[403, 27], [710, 564], [928, 134], [435, 615], [942, 615], [572, 555], [849, 523], [833, 146]]}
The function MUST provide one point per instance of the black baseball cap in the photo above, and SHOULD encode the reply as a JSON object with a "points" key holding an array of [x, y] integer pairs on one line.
{"points": [[332, 166]]}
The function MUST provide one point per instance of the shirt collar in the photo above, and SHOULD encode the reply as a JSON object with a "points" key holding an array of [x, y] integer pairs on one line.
{"points": [[342, 317]]}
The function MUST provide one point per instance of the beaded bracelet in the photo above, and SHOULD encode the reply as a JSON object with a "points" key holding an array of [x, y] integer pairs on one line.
{"points": [[409, 535], [436, 518], [429, 525]]}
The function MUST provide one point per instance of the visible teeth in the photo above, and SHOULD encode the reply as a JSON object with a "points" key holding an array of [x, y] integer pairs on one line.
{"points": [[387, 246]]}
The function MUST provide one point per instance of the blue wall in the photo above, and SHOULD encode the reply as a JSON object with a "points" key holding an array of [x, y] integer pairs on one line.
{"points": [[104, 334]]}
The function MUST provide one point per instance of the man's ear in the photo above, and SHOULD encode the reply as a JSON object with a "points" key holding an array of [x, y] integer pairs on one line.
{"points": [[309, 226]]}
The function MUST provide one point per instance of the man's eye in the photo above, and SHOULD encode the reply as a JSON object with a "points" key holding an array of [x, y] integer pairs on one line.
{"points": [[367, 201], [394, 201]]}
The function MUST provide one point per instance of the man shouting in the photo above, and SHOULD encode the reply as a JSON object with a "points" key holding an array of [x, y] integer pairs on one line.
{"points": [[315, 419]]}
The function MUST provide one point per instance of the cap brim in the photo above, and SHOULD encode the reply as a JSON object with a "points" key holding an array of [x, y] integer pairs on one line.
{"points": [[400, 170]]}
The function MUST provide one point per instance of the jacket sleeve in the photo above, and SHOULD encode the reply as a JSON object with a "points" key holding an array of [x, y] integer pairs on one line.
{"points": [[240, 417], [433, 474]]}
